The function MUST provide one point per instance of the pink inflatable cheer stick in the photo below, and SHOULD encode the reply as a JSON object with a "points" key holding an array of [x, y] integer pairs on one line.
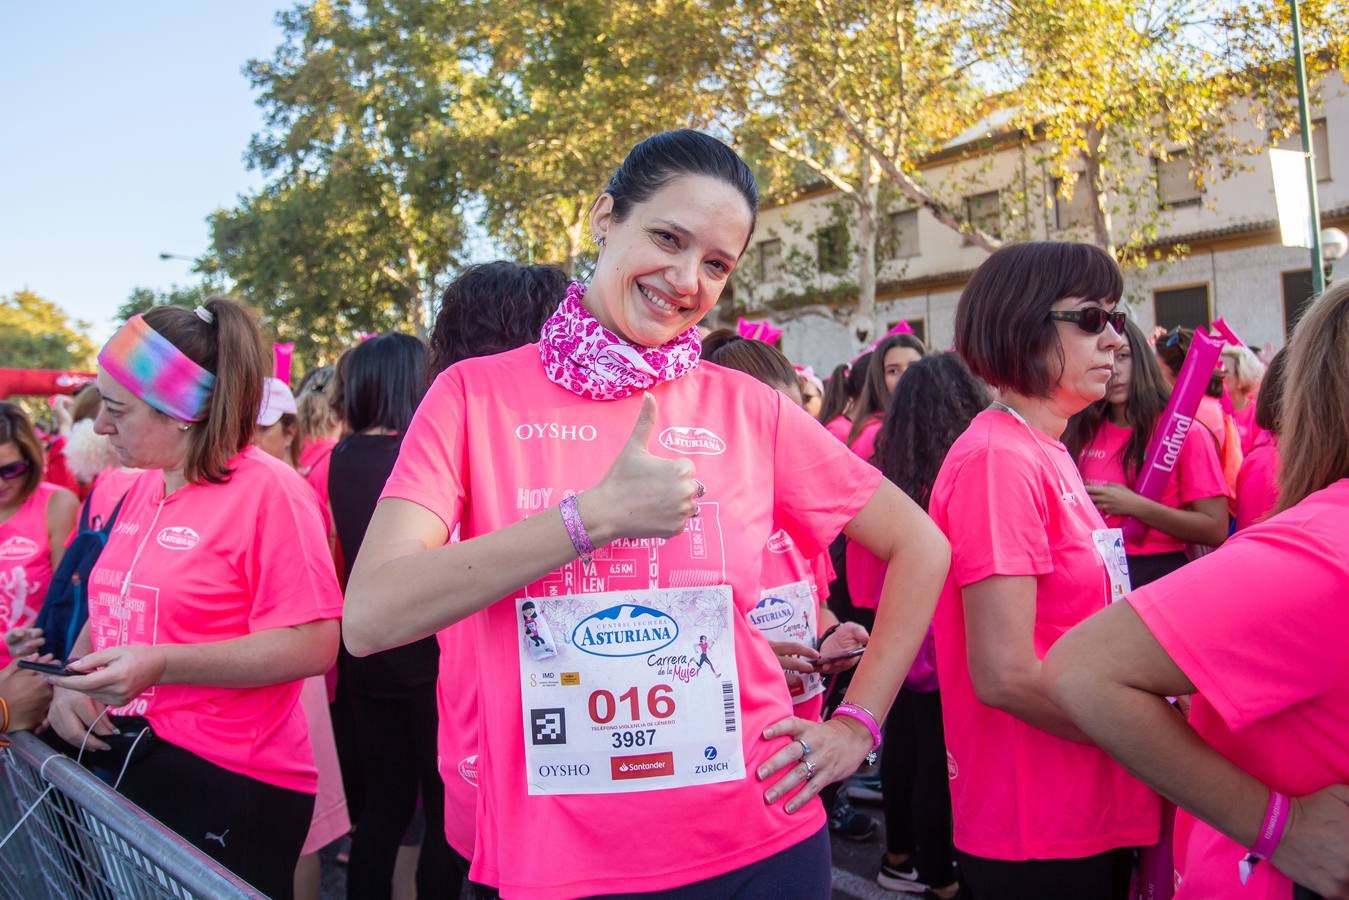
{"points": [[281, 354], [1175, 422]]}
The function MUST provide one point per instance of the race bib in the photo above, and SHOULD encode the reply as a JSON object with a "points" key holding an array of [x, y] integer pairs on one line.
{"points": [[629, 691], [1110, 546], [788, 613]]}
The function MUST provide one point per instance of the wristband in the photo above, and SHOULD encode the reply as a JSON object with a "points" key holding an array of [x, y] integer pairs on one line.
{"points": [[1271, 832], [576, 530], [863, 715], [4, 716]]}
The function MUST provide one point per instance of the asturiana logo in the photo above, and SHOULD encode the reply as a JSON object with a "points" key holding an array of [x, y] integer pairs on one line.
{"points": [[178, 537], [468, 769], [624, 630], [771, 612], [17, 548], [780, 541], [692, 441]]}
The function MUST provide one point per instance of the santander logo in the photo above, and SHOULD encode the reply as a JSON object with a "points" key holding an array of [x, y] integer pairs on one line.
{"points": [[17, 548], [692, 441], [178, 537]]}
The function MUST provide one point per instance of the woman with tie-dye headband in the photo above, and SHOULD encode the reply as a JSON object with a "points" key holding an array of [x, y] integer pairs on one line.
{"points": [[213, 599]]}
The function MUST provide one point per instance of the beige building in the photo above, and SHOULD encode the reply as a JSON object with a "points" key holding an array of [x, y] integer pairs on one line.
{"points": [[1231, 263]]}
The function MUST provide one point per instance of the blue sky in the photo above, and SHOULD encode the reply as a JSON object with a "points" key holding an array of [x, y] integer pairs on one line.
{"points": [[122, 126]]}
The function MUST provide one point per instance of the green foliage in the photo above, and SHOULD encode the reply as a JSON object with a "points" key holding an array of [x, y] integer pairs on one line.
{"points": [[35, 333], [142, 298]]}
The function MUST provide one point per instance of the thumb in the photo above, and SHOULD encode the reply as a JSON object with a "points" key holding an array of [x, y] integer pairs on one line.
{"points": [[646, 421]]}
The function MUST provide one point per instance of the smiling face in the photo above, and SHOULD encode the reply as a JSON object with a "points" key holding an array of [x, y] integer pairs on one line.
{"points": [[662, 268], [1088, 360], [10, 490], [142, 437]]}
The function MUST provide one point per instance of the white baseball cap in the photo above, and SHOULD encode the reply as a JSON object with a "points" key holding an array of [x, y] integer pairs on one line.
{"points": [[276, 401]]}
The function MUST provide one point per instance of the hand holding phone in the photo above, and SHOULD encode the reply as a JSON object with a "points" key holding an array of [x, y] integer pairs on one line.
{"points": [[849, 654], [48, 668]]}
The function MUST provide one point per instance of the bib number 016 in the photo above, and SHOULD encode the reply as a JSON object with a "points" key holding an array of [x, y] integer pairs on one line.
{"points": [[604, 706]]}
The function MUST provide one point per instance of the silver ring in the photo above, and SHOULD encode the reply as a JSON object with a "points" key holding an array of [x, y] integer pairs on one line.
{"points": [[702, 488], [697, 511], [811, 768], [805, 748]]}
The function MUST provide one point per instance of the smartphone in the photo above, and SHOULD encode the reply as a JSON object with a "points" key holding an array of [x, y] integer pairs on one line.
{"points": [[851, 654], [51, 668]]}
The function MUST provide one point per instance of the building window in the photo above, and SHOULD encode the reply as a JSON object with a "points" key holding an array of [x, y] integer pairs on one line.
{"points": [[984, 211], [1320, 147], [899, 235], [831, 248], [1076, 211], [767, 260], [1182, 307], [918, 325], [1176, 185], [1297, 296]]}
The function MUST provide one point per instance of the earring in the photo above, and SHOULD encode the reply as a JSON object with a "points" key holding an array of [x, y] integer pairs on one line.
{"points": [[184, 427], [600, 241]]}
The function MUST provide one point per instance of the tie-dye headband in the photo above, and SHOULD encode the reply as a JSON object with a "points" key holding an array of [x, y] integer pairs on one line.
{"points": [[148, 365]]}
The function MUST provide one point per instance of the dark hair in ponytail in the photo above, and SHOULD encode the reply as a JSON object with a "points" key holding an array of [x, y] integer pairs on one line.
{"points": [[726, 348], [231, 347]]}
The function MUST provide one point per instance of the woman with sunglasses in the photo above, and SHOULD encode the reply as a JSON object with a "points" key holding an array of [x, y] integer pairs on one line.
{"points": [[211, 602], [36, 518], [1254, 633], [1109, 440], [628, 492], [1039, 812]]}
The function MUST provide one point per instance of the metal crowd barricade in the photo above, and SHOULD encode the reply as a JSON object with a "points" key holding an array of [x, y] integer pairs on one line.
{"points": [[83, 840]]}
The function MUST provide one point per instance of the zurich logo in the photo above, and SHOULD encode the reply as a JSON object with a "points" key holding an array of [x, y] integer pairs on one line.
{"points": [[624, 630], [709, 753], [771, 612]]}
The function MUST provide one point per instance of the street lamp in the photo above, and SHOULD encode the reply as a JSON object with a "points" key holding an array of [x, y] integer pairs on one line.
{"points": [[1334, 244], [168, 256]]}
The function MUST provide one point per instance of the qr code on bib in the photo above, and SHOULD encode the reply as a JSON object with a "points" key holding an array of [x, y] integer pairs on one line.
{"points": [[548, 726]]}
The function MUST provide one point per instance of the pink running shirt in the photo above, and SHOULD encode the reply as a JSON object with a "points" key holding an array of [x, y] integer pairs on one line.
{"points": [[839, 427], [212, 562], [1267, 657], [110, 486], [783, 564], [1198, 476], [495, 441], [313, 465], [865, 445], [1258, 481], [1018, 792], [25, 562]]}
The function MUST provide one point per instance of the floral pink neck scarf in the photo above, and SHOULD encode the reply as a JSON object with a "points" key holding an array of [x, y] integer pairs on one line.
{"points": [[588, 359]]}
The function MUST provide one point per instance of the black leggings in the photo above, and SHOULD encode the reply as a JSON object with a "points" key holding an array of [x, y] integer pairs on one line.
{"points": [[395, 748], [252, 828], [916, 787], [1104, 876], [803, 871]]}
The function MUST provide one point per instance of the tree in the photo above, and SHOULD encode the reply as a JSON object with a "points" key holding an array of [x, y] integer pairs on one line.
{"points": [[1106, 86], [360, 215], [142, 298], [858, 93], [35, 333]]}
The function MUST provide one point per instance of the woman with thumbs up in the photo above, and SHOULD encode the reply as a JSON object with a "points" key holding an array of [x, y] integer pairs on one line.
{"points": [[626, 493]]}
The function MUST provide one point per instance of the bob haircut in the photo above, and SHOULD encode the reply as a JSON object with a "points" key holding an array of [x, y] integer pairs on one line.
{"points": [[1003, 330], [383, 380], [16, 429], [726, 348]]}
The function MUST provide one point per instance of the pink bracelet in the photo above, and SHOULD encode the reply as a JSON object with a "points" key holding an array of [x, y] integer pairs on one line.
{"points": [[1271, 832], [863, 715], [576, 530]]}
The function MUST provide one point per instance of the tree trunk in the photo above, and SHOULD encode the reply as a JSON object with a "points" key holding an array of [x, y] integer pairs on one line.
{"points": [[866, 256], [414, 310], [1094, 178]]}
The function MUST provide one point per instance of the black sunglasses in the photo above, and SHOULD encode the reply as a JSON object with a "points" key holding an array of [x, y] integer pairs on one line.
{"points": [[16, 469], [1092, 319]]}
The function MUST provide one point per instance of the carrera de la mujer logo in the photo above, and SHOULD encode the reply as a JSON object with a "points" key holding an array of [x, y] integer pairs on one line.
{"points": [[624, 630], [17, 548], [771, 612], [178, 537], [692, 441]]}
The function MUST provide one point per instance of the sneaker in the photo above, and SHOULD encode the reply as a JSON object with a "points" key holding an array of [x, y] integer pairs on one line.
{"points": [[865, 789], [900, 877], [849, 824]]}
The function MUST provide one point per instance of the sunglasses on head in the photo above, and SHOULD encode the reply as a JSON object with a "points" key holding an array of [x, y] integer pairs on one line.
{"points": [[1171, 338], [16, 469], [1092, 319]]}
